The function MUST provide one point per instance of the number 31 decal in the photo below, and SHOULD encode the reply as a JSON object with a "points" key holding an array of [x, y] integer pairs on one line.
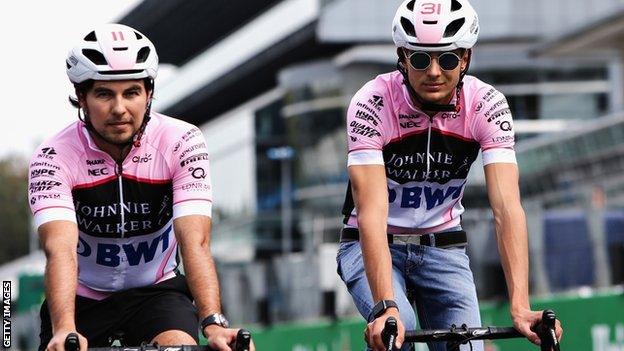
{"points": [[430, 8]]}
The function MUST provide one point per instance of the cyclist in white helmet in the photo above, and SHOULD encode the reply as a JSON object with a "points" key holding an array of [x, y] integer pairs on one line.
{"points": [[121, 198], [412, 136]]}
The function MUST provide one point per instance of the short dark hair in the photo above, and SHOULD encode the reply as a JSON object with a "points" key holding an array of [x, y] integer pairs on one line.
{"points": [[84, 87]]}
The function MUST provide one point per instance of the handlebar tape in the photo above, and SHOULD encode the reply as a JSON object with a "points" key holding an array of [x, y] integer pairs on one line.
{"points": [[389, 333]]}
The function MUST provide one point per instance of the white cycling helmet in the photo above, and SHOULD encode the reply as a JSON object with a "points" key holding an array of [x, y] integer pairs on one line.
{"points": [[112, 52], [435, 25]]}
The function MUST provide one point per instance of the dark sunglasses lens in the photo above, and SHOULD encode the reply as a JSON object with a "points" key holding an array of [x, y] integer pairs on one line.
{"points": [[448, 61], [420, 60]]}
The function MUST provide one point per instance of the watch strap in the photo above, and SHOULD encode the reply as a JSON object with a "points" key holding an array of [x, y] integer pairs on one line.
{"points": [[381, 307], [215, 318]]}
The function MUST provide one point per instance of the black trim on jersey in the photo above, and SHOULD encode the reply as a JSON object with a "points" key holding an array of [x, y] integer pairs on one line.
{"points": [[450, 158], [148, 207], [404, 159]]}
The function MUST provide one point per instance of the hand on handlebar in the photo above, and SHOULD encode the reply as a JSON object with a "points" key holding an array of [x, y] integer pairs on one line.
{"points": [[525, 321], [224, 339], [67, 340], [374, 329]]}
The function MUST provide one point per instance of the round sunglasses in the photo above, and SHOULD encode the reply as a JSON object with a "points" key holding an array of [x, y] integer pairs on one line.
{"points": [[421, 60]]}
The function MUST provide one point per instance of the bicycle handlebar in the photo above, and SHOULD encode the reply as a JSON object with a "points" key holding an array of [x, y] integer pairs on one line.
{"points": [[545, 329], [243, 340]]}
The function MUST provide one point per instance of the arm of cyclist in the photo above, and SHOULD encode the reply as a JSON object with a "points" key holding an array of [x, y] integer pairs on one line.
{"points": [[59, 240], [511, 233], [370, 194], [193, 235]]}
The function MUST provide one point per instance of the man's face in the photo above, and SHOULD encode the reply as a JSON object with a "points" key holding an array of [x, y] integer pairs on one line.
{"points": [[116, 108], [434, 84]]}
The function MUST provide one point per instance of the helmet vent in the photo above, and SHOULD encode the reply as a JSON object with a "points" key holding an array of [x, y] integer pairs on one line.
{"points": [[410, 5], [95, 56], [138, 36], [143, 54], [430, 22], [128, 71], [454, 27], [68, 65], [91, 37], [121, 49], [408, 27], [455, 5]]}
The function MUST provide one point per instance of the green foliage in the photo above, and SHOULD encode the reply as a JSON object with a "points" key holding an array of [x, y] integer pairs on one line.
{"points": [[14, 210]]}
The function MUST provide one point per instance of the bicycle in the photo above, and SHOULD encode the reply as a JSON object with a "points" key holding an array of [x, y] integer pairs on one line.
{"points": [[455, 336], [243, 339]]}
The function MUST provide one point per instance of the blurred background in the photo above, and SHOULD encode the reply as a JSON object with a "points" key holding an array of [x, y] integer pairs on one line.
{"points": [[269, 81]]}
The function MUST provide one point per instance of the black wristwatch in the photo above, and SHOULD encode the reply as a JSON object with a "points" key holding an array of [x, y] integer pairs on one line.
{"points": [[215, 318], [381, 307]]}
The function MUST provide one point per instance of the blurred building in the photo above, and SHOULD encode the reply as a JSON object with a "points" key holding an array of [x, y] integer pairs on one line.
{"points": [[263, 74]]}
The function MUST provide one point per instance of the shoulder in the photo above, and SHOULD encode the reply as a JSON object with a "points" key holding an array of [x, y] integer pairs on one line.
{"points": [[382, 84], [174, 139], [476, 90], [64, 145], [480, 97], [167, 131], [378, 94]]}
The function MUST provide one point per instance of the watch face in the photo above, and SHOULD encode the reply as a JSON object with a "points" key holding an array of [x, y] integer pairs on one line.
{"points": [[223, 322], [217, 319]]}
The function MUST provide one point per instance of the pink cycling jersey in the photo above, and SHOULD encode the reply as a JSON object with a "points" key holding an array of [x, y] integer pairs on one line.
{"points": [[124, 211], [426, 159]]}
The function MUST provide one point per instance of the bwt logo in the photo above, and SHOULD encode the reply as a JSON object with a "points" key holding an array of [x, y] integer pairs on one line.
{"points": [[411, 196], [107, 254]]}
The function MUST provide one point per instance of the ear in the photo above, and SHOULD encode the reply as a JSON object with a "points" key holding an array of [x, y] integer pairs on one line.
{"points": [[465, 59], [401, 55], [81, 100]]}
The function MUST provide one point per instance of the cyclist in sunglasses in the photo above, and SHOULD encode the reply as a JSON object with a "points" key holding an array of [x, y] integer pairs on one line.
{"points": [[413, 135]]}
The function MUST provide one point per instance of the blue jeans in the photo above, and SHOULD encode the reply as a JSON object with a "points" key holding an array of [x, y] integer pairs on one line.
{"points": [[440, 283]]}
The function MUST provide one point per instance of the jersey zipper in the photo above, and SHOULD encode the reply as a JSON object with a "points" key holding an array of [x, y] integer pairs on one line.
{"points": [[119, 171], [428, 147]]}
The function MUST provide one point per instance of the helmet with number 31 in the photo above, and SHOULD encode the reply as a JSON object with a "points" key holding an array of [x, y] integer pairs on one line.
{"points": [[435, 25]]}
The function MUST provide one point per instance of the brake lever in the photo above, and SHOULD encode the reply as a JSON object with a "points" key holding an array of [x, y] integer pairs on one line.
{"points": [[71, 342], [389, 333], [243, 339]]}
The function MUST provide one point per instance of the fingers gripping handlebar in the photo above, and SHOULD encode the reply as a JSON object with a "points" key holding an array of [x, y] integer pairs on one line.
{"points": [[546, 331], [71, 342], [243, 339], [389, 333]]}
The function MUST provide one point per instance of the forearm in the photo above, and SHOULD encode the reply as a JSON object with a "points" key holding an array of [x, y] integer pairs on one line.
{"points": [[513, 247], [61, 279], [201, 275], [376, 253]]}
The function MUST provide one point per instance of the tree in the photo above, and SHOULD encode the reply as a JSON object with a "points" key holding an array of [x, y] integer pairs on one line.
{"points": [[14, 210]]}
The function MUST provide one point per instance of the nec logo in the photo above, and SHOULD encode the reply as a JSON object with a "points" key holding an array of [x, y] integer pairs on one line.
{"points": [[97, 172]]}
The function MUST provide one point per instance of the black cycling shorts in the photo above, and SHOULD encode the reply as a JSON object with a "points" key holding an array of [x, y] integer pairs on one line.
{"points": [[140, 314]]}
